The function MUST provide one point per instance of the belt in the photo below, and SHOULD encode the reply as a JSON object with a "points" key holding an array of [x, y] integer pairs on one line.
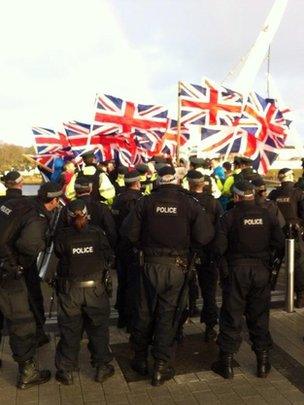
{"points": [[165, 260], [84, 284]]}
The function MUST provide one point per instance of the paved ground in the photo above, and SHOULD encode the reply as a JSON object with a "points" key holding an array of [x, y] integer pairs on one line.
{"points": [[193, 384]]}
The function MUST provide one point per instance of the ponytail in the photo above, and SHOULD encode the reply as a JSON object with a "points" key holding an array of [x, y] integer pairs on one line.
{"points": [[79, 221]]}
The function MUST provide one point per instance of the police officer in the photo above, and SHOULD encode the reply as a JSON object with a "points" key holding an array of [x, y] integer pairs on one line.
{"points": [[127, 261], [23, 227], [207, 273], [13, 183], [99, 213], [83, 304], [246, 235], [290, 200], [260, 197], [202, 166], [164, 225], [102, 188]]}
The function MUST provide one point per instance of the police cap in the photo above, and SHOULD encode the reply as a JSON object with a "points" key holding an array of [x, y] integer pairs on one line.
{"points": [[132, 176], [82, 183], [167, 175], [243, 188], [122, 170], [77, 205], [50, 190], [159, 159], [195, 176], [88, 155], [286, 174], [159, 166], [246, 161], [12, 177], [259, 183], [196, 161], [142, 168]]}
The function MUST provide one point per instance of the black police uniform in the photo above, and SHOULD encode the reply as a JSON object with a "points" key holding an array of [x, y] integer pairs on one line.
{"points": [[206, 270], [164, 225], [22, 237], [127, 260], [290, 201], [246, 235], [11, 193], [83, 303], [99, 215]]}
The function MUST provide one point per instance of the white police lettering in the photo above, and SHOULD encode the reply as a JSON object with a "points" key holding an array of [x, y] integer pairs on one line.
{"points": [[83, 250], [5, 210], [253, 221], [283, 199], [166, 210]]}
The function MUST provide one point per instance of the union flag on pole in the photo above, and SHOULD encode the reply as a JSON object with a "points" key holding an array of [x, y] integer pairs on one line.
{"points": [[258, 134], [208, 104], [168, 142], [46, 140]]}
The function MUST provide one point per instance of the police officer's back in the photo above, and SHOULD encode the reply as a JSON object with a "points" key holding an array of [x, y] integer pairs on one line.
{"points": [[102, 188], [207, 274], [99, 213], [260, 197], [164, 225], [127, 263], [245, 238], [83, 251], [290, 200], [23, 226]]}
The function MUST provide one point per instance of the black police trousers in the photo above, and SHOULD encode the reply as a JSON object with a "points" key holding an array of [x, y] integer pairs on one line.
{"points": [[128, 284], [33, 283], [160, 287], [79, 310], [246, 291], [14, 305], [207, 275]]}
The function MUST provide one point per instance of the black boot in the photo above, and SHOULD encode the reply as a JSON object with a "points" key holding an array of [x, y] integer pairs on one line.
{"points": [[64, 377], [161, 373], [263, 363], [210, 334], [104, 372], [223, 366], [140, 365], [29, 375]]}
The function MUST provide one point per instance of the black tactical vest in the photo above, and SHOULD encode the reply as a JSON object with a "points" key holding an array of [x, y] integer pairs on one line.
{"points": [[287, 201], [250, 232], [166, 221], [85, 253]]}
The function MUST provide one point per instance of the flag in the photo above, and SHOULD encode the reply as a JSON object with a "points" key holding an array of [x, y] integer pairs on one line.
{"points": [[145, 123], [208, 104], [47, 140], [262, 118], [258, 134], [168, 142]]}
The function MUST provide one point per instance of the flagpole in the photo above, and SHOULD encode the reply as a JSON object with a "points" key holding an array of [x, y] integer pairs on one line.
{"points": [[178, 139], [30, 159]]}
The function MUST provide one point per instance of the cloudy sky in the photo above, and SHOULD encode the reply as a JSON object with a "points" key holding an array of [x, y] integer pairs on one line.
{"points": [[55, 55]]}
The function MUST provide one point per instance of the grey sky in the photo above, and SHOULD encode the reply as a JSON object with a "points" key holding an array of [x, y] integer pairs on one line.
{"points": [[58, 54]]}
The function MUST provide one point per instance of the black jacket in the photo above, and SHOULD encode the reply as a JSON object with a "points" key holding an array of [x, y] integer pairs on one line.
{"points": [[168, 220]]}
